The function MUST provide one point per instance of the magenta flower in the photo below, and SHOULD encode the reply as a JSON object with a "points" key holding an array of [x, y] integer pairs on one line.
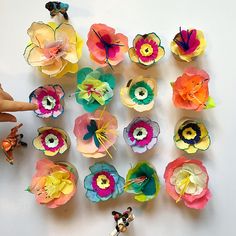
{"points": [[49, 100], [141, 134]]}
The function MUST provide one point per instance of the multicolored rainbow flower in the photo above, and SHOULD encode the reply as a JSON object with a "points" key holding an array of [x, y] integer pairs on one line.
{"points": [[94, 88], [188, 44], [142, 180], [187, 180], [96, 133], [51, 141], [53, 184], [146, 50], [191, 136], [141, 134], [49, 100], [103, 183], [54, 49], [105, 46], [139, 93]]}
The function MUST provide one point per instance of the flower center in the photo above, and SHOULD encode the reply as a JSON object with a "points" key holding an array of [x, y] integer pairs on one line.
{"points": [[140, 133], [53, 49], [103, 182], [141, 93], [49, 102], [146, 50], [51, 140], [190, 133]]}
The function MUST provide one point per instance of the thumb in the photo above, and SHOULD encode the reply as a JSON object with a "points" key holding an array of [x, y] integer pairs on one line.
{"points": [[5, 117]]}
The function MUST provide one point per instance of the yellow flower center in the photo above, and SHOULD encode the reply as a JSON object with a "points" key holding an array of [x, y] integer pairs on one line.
{"points": [[146, 50], [58, 182], [189, 133], [103, 182]]}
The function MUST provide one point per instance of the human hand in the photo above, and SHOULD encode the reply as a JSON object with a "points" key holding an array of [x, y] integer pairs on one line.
{"points": [[7, 104]]}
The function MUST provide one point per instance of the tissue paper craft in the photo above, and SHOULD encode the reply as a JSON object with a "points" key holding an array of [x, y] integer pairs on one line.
{"points": [[57, 7]]}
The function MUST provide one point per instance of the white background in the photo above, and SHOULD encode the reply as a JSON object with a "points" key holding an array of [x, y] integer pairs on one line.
{"points": [[19, 213]]}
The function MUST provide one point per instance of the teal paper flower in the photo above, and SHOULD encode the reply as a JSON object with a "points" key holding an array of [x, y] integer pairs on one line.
{"points": [[143, 181], [103, 183], [94, 88]]}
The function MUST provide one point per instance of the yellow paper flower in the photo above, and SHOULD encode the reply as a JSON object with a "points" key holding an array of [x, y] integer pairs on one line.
{"points": [[191, 136], [188, 44], [55, 50]]}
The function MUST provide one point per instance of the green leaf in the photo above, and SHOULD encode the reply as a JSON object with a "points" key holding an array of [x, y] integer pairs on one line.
{"points": [[172, 84], [210, 103], [28, 189]]}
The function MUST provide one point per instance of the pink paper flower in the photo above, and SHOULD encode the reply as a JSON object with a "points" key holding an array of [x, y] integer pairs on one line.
{"points": [[49, 100], [105, 46], [187, 180], [53, 184]]}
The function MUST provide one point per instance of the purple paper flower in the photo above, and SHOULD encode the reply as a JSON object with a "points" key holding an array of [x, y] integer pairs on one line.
{"points": [[141, 134], [49, 100]]}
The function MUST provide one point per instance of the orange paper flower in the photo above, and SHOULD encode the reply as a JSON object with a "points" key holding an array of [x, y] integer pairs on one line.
{"points": [[105, 46], [190, 91]]}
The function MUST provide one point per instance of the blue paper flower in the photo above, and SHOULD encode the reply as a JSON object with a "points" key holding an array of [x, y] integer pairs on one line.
{"points": [[103, 183], [94, 88]]}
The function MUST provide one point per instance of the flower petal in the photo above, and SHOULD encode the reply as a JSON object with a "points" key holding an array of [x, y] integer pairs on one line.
{"points": [[203, 144], [66, 31]]}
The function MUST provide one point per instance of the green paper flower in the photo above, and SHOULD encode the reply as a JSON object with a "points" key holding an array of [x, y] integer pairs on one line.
{"points": [[94, 88], [142, 180]]}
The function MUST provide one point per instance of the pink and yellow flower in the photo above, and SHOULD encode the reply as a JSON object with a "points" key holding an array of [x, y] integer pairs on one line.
{"points": [[96, 133], [188, 44], [187, 180], [51, 141], [146, 49], [105, 46], [55, 50], [53, 184]]}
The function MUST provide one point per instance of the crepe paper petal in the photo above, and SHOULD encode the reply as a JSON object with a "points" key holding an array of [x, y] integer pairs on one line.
{"points": [[53, 184], [139, 93], [146, 50], [141, 134], [94, 88], [103, 183], [190, 90], [49, 100], [96, 133], [105, 46], [51, 141], [191, 136], [142, 180], [188, 44], [54, 49], [187, 180]]}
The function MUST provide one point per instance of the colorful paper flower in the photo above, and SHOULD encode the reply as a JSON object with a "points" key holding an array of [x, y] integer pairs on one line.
{"points": [[49, 100], [96, 133], [146, 50], [105, 46], [51, 141], [53, 184], [190, 91], [103, 183], [187, 180], [142, 180], [94, 88], [141, 134], [191, 136], [188, 44], [54, 49], [139, 93]]}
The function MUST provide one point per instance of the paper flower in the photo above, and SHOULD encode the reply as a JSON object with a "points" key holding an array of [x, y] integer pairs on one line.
{"points": [[139, 93], [49, 100], [191, 136], [51, 141], [105, 46], [94, 89], [188, 44], [146, 50], [53, 184], [190, 91], [142, 180], [96, 133], [103, 183], [54, 49], [187, 180], [141, 134]]}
